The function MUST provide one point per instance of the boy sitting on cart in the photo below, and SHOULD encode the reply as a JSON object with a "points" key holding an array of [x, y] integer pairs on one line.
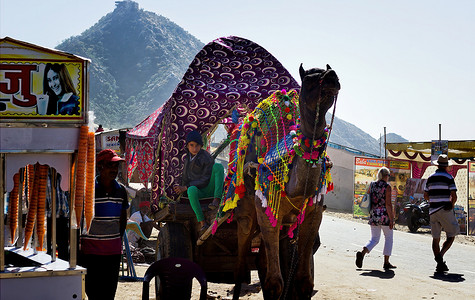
{"points": [[202, 177]]}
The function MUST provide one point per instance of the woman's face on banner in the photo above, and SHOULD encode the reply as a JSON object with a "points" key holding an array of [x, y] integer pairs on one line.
{"points": [[53, 82]]}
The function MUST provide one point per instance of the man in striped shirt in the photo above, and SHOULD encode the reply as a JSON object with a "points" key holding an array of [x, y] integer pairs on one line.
{"points": [[441, 193], [101, 247]]}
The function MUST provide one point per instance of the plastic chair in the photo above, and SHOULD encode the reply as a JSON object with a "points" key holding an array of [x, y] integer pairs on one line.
{"points": [[176, 276], [131, 274], [134, 226]]}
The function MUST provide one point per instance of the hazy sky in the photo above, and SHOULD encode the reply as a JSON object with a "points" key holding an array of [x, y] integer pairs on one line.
{"points": [[406, 65]]}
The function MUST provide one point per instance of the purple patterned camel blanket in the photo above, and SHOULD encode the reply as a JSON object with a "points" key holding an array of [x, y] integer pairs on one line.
{"points": [[227, 72]]}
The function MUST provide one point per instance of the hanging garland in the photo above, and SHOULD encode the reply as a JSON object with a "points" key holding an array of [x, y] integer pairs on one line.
{"points": [[414, 156]]}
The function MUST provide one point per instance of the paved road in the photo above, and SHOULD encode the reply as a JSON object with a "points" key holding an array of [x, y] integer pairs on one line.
{"points": [[336, 276]]}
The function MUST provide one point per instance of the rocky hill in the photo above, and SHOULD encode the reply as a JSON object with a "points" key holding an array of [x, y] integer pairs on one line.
{"points": [[347, 134], [138, 58]]}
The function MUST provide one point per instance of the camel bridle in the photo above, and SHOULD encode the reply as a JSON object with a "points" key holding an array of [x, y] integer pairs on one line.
{"points": [[294, 240]]}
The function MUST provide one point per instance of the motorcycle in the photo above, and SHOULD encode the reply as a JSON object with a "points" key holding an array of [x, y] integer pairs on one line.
{"points": [[416, 215]]}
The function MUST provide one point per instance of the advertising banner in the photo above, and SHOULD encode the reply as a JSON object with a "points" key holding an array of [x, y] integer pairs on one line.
{"points": [[439, 147], [471, 198], [40, 85], [400, 174], [366, 170], [109, 140]]}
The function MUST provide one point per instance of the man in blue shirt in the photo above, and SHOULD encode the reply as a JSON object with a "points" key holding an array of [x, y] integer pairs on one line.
{"points": [[441, 193]]}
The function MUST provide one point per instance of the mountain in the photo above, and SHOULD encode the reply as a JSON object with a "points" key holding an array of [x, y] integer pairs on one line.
{"points": [[348, 135], [394, 138], [137, 60]]}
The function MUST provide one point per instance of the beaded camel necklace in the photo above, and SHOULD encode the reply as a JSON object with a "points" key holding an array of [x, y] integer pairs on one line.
{"points": [[271, 132]]}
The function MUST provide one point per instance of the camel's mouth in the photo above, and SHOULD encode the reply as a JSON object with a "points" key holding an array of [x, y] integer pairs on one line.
{"points": [[329, 88]]}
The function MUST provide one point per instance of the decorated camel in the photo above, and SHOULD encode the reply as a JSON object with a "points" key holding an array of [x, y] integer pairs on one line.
{"points": [[273, 183]]}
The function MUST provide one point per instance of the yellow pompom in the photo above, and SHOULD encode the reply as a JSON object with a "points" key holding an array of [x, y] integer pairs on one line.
{"points": [[289, 117], [260, 160]]}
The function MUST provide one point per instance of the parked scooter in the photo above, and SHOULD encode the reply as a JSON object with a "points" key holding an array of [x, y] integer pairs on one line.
{"points": [[416, 214]]}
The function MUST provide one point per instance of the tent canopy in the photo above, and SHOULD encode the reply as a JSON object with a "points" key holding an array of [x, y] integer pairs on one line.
{"points": [[459, 151], [139, 146], [228, 73], [148, 128]]}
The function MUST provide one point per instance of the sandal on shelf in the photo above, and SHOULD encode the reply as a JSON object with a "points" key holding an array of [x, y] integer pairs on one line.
{"points": [[359, 259]]}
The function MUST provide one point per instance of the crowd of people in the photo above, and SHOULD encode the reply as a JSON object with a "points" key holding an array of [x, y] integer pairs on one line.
{"points": [[100, 249]]}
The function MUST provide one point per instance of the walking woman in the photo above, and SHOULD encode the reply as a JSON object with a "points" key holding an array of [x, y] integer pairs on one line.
{"points": [[381, 217]]}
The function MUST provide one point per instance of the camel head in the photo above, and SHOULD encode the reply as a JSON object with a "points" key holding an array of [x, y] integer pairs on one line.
{"points": [[318, 92]]}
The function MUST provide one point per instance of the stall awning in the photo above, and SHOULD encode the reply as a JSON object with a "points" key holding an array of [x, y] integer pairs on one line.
{"points": [[421, 151]]}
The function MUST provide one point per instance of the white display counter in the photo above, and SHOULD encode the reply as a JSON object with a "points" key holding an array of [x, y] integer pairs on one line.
{"points": [[49, 280]]}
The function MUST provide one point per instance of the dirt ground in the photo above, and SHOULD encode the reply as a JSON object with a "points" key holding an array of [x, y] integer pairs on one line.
{"points": [[332, 287]]}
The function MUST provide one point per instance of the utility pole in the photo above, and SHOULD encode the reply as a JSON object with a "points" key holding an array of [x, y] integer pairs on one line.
{"points": [[380, 144], [385, 154]]}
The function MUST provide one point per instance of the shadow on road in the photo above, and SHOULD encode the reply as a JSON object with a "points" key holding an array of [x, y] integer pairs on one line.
{"points": [[450, 277], [247, 289], [378, 273]]}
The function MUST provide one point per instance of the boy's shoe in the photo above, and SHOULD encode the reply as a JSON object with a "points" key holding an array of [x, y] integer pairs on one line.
{"points": [[203, 228], [214, 204]]}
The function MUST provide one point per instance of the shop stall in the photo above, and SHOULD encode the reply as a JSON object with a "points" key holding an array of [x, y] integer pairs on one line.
{"points": [[419, 155], [44, 174]]}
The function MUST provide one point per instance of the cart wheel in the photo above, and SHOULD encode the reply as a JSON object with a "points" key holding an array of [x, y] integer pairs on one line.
{"points": [[174, 240]]}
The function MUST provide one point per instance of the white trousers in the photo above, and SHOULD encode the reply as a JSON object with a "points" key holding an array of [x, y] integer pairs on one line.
{"points": [[376, 235]]}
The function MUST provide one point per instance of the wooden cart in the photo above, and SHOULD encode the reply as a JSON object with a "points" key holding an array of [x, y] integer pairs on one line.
{"points": [[216, 254]]}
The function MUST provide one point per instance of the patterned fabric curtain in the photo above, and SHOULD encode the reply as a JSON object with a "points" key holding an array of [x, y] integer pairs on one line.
{"points": [[139, 146], [227, 72], [418, 169]]}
